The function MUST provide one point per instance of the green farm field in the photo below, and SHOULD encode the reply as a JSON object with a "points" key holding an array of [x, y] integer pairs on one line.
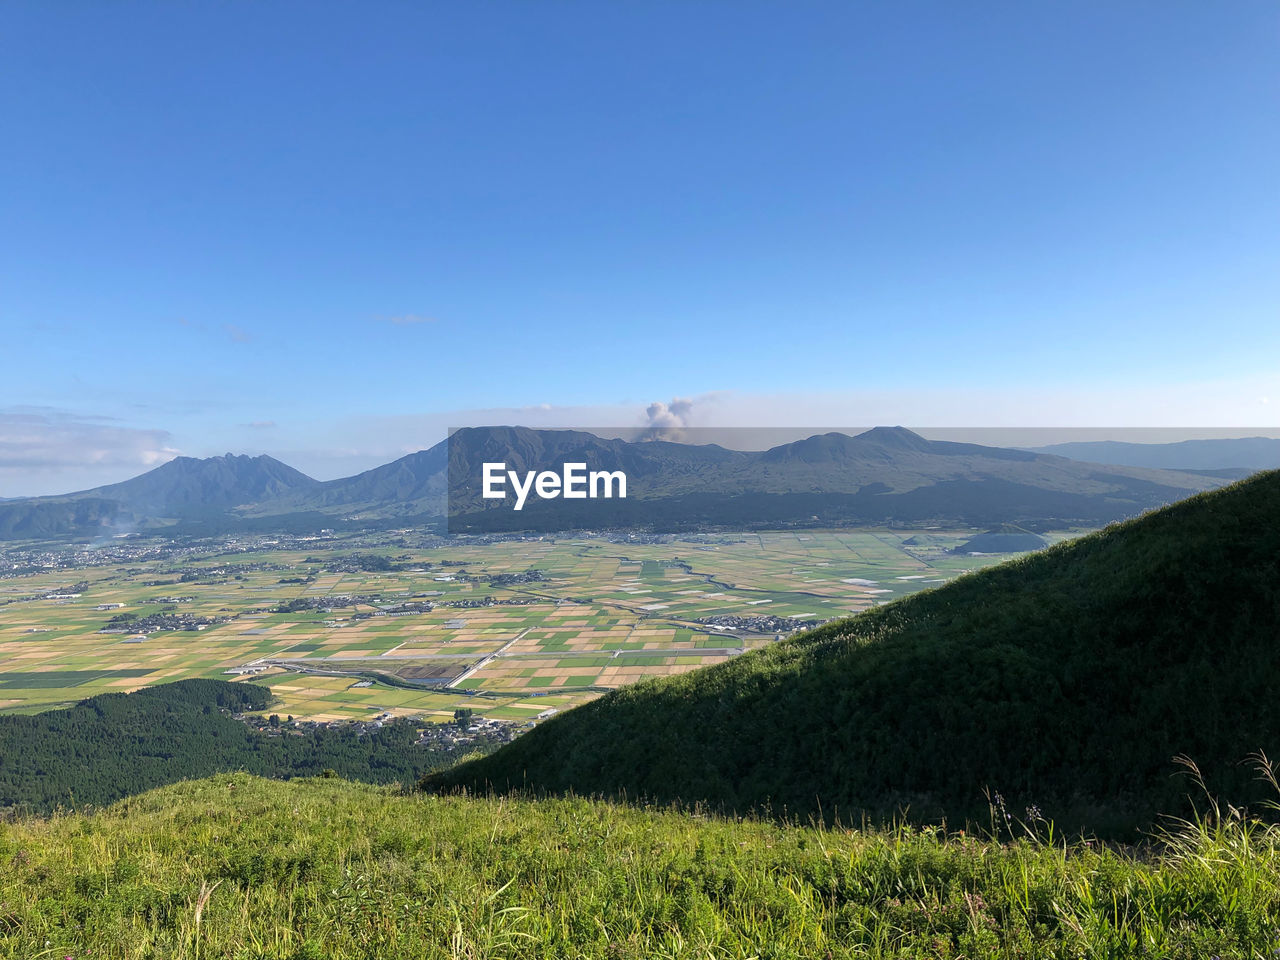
{"points": [[333, 644]]}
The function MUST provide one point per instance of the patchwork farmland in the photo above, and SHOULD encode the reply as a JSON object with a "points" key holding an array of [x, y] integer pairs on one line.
{"points": [[513, 629]]}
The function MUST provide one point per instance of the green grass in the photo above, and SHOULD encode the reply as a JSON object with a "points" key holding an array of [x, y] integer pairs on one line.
{"points": [[248, 869]]}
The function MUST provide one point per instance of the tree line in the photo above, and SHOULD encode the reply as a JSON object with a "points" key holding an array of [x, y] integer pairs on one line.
{"points": [[114, 745]]}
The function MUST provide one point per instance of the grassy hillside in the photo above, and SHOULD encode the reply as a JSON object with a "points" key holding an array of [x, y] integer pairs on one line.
{"points": [[1068, 679], [249, 869]]}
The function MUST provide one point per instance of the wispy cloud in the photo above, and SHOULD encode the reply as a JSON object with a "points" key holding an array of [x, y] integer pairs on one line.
{"points": [[237, 334], [410, 320], [260, 424], [48, 437], [37, 443]]}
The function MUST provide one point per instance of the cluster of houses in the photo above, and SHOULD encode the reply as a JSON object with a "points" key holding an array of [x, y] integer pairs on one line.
{"points": [[488, 601], [156, 622], [779, 626], [479, 730]]}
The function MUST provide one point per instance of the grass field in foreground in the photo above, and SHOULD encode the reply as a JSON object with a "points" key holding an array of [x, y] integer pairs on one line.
{"points": [[250, 869]]}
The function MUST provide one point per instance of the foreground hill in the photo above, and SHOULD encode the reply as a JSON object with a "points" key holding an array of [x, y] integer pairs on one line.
{"points": [[1068, 679], [238, 867]]}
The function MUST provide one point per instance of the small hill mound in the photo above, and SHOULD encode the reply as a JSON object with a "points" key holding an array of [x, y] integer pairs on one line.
{"points": [[1068, 679], [1007, 538]]}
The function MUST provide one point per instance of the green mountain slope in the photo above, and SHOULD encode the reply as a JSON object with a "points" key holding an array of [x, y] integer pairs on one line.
{"points": [[414, 485], [1068, 679]]}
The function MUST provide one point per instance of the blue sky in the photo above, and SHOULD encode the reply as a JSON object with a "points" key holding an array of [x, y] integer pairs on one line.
{"points": [[328, 231]]}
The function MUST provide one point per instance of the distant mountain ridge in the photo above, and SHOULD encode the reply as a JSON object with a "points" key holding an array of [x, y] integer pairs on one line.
{"points": [[414, 485], [885, 474], [183, 488], [187, 484], [1222, 454], [882, 475]]}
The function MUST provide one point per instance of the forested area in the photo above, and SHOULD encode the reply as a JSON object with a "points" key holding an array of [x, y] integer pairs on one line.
{"points": [[113, 745]]}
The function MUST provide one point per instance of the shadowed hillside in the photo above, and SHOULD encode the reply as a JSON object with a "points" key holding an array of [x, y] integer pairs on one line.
{"points": [[1067, 679]]}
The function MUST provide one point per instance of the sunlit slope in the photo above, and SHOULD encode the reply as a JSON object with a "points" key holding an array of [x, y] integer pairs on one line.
{"points": [[1068, 679]]}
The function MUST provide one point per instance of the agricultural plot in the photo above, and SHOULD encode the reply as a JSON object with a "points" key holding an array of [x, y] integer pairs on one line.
{"points": [[512, 629]]}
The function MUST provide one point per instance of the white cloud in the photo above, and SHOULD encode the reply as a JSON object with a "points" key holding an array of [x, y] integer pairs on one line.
{"points": [[43, 445]]}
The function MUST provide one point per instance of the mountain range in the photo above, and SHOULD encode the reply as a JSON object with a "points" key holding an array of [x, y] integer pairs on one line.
{"points": [[1226, 457], [883, 475], [886, 474]]}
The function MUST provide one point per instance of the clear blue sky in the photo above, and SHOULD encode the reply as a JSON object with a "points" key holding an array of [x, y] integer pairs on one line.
{"points": [[337, 222]]}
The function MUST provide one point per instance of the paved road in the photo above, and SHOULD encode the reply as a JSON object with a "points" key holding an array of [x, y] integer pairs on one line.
{"points": [[328, 665]]}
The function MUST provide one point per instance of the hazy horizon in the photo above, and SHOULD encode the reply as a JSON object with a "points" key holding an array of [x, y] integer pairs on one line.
{"points": [[731, 437]]}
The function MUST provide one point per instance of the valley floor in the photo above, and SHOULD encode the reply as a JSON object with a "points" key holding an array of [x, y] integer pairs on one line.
{"points": [[239, 867], [513, 629]]}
